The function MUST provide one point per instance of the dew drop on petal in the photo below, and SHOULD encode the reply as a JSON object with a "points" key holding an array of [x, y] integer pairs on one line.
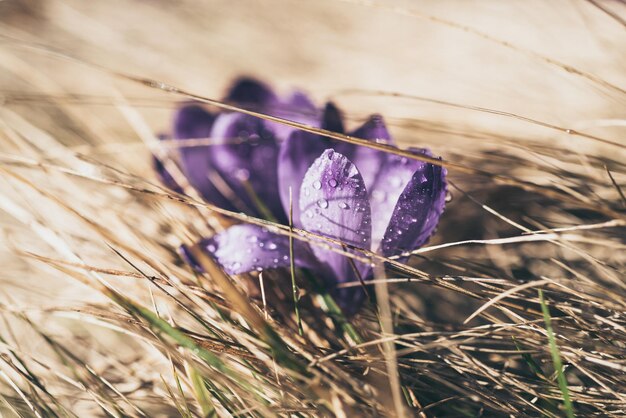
{"points": [[211, 248], [322, 203], [344, 205], [332, 183], [309, 214], [271, 246], [252, 238], [317, 184], [242, 174], [395, 181], [259, 268], [236, 265]]}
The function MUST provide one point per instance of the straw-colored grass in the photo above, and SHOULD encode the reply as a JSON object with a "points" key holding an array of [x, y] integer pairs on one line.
{"points": [[516, 307]]}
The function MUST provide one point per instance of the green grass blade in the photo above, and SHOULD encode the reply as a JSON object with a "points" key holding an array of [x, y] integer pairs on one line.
{"points": [[556, 358], [202, 394]]}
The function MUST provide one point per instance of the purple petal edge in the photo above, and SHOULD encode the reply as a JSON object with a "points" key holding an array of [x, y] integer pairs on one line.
{"points": [[250, 91], [416, 215], [244, 248]]}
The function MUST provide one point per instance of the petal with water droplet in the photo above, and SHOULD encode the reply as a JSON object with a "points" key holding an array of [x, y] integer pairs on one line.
{"points": [[238, 253], [392, 177], [349, 226], [417, 211]]}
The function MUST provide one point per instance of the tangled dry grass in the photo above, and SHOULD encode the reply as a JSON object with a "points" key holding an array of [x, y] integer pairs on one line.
{"points": [[516, 308]]}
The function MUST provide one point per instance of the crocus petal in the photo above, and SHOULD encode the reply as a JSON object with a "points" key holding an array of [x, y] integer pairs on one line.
{"points": [[300, 102], [246, 159], [189, 258], [192, 122], [296, 108], [164, 176], [332, 119], [393, 176], [417, 212], [296, 155], [374, 129], [333, 202], [248, 91], [245, 248], [369, 160]]}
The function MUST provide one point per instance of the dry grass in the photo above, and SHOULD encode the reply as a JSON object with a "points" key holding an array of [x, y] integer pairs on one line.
{"points": [[517, 306]]}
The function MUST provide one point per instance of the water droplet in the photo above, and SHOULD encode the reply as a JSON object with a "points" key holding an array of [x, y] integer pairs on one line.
{"points": [[317, 184], [259, 268], [255, 260], [332, 183], [309, 214], [331, 155], [242, 174], [322, 203], [275, 261], [344, 205], [211, 248], [252, 238], [236, 265], [271, 246], [285, 257]]}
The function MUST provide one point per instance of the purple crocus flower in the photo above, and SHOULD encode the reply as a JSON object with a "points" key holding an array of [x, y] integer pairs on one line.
{"points": [[362, 197]]}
